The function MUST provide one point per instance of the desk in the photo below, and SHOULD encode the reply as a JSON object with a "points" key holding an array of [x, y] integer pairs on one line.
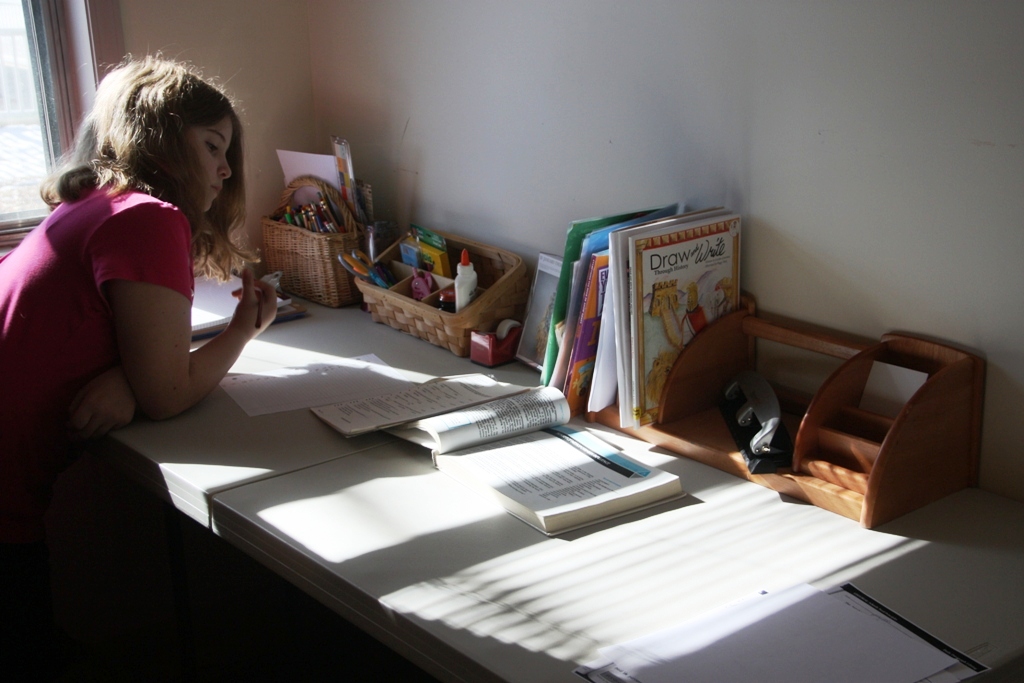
{"points": [[215, 446], [466, 591]]}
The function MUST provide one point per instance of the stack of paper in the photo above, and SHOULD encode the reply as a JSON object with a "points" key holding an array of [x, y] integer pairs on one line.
{"points": [[798, 635]]}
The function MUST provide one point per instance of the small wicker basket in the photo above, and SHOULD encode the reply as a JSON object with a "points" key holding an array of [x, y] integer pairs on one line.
{"points": [[309, 260], [503, 289]]}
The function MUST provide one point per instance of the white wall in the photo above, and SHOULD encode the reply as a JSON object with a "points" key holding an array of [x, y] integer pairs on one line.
{"points": [[259, 49], [876, 149]]}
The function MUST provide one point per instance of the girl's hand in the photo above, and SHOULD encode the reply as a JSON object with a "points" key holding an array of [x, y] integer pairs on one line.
{"points": [[257, 305], [107, 402]]}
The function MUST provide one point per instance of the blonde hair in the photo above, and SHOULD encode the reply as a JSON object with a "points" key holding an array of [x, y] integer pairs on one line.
{"points": [[134, 138]]}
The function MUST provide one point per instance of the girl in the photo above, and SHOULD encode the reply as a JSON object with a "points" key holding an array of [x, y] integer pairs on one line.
{"points": [[95, 304]]}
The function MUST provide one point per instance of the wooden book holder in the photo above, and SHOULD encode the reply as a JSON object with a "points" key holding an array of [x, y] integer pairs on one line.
{"points": [[862, 465]]}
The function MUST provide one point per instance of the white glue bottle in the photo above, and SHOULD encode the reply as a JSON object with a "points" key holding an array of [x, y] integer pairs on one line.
{"points": [[465, 282]]}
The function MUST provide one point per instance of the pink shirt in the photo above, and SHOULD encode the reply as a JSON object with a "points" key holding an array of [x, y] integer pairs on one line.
{"points": [[57, 330]]}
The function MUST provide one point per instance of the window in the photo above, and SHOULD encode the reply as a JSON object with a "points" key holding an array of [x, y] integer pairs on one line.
{"points": [[26, 149], [41, 99]]}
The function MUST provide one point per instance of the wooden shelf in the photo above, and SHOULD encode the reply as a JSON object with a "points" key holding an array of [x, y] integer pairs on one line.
{"points": [[869, 467]]}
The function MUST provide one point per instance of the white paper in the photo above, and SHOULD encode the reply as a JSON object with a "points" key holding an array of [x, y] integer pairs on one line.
{"points": [[798, 635], [604, 380], [213, 302], [312, 385], [295, 164], [849, 595]]}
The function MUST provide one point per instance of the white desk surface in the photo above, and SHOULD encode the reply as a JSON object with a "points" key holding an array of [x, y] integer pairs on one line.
{"points": [[370, 529], [215, 446], [383, 535]]}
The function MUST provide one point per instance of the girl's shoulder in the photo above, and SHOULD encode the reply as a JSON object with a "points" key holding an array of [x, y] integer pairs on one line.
{"points": [[102, 206], [132, 198]]}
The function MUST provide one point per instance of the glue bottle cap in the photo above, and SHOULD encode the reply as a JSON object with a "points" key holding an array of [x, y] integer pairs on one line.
{"points": [[465, 258]]}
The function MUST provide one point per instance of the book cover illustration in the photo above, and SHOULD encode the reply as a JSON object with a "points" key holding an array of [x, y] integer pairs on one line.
{"points": [[685, 280], [578, 230], [584, 352]]}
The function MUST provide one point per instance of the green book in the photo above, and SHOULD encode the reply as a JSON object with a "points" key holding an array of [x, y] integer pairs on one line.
{"points": [[578, 230]]}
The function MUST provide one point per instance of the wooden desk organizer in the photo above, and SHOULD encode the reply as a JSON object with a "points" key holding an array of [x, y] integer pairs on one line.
{"points": [[862, 465]]}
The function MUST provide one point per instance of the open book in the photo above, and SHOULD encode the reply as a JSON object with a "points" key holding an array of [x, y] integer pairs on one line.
{"points": [[213, 305], [518, 450], [441, 395]]}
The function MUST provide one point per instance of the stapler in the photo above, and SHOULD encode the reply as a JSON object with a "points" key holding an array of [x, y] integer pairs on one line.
{"points": [[754, 418]]}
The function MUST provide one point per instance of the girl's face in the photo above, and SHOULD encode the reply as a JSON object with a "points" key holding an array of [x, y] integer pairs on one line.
{"points": [[210, 144]]}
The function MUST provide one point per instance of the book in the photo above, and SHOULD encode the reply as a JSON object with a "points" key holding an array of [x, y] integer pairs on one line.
{"points": [[686, 274], [593, 237], [213, 306], [534, 338], [584, 347], [573, 248], [519, 451], [560, 478], [617, 314], [603, 378], [411, 403], [482, 423]]}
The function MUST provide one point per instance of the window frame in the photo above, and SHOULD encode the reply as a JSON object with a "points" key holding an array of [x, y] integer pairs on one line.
{"points": [[80, 40]]}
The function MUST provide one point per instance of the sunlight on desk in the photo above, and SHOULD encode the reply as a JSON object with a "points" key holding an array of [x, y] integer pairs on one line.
{"points": [[263, 356], [345, 530], [215, 475], [564, 598]]}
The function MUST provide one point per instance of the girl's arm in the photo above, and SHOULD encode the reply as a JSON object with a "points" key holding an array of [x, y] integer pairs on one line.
{"points": [[154, 334], [105, 403]]}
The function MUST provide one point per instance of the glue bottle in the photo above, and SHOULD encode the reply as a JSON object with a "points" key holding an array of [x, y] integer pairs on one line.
{"points": [[465, 282]]}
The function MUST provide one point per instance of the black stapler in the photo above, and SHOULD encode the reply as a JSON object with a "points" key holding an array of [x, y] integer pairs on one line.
{"points": [[752, 414]]}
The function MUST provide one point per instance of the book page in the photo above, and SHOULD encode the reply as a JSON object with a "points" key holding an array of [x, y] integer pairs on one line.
{"points": [[213, 303], [361, 415], [527, 412], [573, 469]]}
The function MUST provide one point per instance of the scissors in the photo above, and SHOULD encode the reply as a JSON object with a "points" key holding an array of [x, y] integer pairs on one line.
{"points": [[377, 273], [361, 267]]}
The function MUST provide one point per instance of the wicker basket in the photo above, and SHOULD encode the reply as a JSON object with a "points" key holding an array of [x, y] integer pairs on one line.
{"points": [[309, 260], [503, 288]]}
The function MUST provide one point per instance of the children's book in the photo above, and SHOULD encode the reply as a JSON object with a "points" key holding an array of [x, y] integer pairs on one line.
{"points": [[518, 451], [584, 350], [686, 274], [620, 301], [573, 249], [585, 238]]}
